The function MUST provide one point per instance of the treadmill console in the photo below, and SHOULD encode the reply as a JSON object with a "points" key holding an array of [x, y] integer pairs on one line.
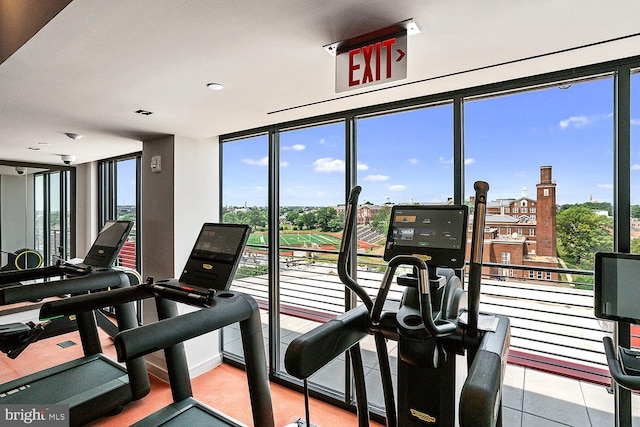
{"points": [[110, 240], [436, 233], [215, 256]]}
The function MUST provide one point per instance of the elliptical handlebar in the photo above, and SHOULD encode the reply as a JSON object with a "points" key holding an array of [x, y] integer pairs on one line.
{"points": [[475, 265], [444, 327], [345, 246]]}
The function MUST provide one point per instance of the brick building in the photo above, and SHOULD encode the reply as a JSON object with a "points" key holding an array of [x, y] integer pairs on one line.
{"points": [[523, 232]]}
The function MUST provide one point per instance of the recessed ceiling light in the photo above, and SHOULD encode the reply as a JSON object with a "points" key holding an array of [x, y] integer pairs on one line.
{"points": [[34, 148], [144, 112], [73, 135], [43, 143], [215, 86]]}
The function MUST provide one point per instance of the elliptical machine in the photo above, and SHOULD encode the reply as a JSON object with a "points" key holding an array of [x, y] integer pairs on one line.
{"points": [[428, 325]]}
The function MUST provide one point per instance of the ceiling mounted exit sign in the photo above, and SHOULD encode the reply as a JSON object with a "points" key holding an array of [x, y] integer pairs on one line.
{"points": [[372, 59]]}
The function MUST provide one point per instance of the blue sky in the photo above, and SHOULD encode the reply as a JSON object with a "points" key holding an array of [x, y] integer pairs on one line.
{"points": [[408, 156]]}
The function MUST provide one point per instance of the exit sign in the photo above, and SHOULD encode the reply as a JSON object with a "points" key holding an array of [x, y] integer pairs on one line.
{"points": [[372, 63], [373, 58]]}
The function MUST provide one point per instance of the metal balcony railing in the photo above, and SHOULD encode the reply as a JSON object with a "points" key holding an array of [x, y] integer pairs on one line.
{"points": [[553, 327]]}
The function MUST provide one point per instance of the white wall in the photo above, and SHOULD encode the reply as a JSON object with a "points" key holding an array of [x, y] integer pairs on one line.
{"points": [[196, 196], [175, 203], [86, 207]]}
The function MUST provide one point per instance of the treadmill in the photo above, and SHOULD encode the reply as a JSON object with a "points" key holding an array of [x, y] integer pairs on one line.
{"points": [[203, 283], [92, 385], [102, 254], [15, 337]]}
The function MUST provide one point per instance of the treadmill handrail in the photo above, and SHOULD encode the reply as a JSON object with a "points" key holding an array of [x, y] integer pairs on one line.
{"points": [[99, 279], [16, 276], [94, 301], [167, 332]]}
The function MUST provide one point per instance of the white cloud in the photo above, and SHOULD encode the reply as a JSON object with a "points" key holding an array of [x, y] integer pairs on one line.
{"points": [[294, 147], [284, 164], [608, 186], [397, 187], [377, 177], [580, 121], [635, 121], [412, 161], [260, 162], [444, 161], [635, 167], [362, 166], [322, 141], [574, 121], [328, 165]]}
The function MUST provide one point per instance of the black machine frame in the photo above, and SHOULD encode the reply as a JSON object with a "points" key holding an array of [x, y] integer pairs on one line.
{"points": [[95, 385], [427, 329], [222, 309]]}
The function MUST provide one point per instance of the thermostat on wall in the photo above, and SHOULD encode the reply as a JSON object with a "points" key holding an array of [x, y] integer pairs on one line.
{"points": [[156, 164]]}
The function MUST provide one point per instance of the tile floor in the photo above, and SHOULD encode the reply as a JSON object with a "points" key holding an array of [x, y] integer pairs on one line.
{"points": [[531, 398]]}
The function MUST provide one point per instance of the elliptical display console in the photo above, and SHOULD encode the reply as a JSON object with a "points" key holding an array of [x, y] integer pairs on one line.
{"points": [[436, 232]]}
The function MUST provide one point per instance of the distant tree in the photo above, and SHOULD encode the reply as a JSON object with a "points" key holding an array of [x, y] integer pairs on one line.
{"points": [[230, 218], [336, 224], [292, 216], [635, 211], [324, 216], [582, 233], [592, 206], [380, 220], [309, 220], [257, 218]]}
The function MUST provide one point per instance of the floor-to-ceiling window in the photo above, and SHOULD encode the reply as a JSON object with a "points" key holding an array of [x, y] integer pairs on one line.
{"points": [[547, 155], [546, 147], [244, 200], [311, 219], [54, 214], [119, 196]]}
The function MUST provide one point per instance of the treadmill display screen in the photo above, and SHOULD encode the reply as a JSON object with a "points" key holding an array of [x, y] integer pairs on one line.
{"points": [[220, 242], [215, 255], [435, 232], [617, 287], [107, 245], [112, 233]]}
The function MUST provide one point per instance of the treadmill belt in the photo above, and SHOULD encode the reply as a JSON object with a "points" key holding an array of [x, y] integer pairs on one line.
{"points": [[78, 378], [187, 412], [195, 416]]}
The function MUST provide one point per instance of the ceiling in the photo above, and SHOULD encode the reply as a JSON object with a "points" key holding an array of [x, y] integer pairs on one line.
{"points": [[95, 63]]}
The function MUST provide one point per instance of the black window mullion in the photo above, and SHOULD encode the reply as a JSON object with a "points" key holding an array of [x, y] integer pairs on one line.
{"points": [[622, 211], [273, 207]]}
